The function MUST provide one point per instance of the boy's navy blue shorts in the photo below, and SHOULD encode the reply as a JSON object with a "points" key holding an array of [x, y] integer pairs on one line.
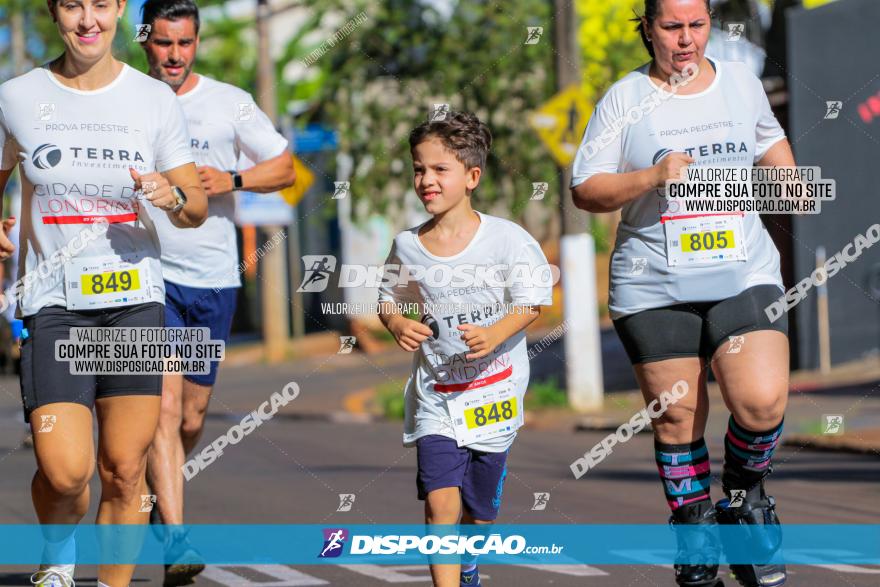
{"points": [[197, 307], [479, 475]]}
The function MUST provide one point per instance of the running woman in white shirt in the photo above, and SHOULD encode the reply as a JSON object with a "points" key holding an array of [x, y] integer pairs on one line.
{"points": [[90, 135], [470, 344], [677, 314], [201, 270]]}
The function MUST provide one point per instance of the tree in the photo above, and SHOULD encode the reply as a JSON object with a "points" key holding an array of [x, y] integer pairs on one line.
{"points": [[610, 47], [384, 78]]}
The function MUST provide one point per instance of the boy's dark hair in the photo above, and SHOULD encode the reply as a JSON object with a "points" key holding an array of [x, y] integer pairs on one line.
{"points": [[462, 133], [169, 10]]}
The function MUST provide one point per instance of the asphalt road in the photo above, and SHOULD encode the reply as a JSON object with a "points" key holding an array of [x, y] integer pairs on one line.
{"points": [[292, 469]]}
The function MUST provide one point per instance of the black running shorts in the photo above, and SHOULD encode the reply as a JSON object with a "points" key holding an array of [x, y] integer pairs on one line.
{"points": [[45, 380], [697, 329]]}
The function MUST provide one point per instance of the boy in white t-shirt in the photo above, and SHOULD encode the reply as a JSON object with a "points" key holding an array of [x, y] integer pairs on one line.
{"points": [[478, 281]]}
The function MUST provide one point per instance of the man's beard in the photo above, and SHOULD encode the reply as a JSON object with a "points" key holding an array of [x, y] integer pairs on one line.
{"points": [[176, 82]]}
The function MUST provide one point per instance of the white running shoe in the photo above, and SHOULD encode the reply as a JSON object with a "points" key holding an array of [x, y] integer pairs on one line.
{"points": [[54, 576]]}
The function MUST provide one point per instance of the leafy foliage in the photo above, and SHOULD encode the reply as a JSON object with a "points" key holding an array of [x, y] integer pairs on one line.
{"points": [[610, 47], [385, 77]]}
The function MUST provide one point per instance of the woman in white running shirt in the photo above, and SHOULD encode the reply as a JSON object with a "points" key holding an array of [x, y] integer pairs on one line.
{"points": [[678, 314], [96, 143]]}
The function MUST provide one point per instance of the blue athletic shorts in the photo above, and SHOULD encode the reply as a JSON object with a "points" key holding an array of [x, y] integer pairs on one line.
{"points": [[479, 475], [197, 307]]}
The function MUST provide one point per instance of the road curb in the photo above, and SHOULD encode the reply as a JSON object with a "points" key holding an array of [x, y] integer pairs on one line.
{"points": [[839, 444]]}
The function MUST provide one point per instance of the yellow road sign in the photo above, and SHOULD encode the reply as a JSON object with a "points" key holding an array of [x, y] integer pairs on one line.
{"points": [[560, 123], [304, 180]]}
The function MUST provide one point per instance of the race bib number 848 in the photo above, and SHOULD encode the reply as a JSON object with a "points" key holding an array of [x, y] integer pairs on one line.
{"points": [[482, 414], [491, 413]]}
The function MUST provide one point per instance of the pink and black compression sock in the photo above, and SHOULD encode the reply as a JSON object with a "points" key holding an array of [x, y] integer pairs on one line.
{"points": [[684, 469], [747, 455]]}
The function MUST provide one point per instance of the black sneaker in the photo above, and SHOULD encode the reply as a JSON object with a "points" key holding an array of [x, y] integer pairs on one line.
{"points": [[696, 548], [756, 509]]}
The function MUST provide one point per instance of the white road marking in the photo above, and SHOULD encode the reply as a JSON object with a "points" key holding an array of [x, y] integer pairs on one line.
{"points": [[392, 573], [655, 558], [576, 570], [850, 569], [286, 576]]}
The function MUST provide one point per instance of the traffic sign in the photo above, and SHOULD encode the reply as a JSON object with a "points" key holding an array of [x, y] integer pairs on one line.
{"points": [[560, 123], [304, 180]]}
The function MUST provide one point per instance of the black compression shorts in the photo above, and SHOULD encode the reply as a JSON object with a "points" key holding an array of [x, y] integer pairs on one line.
{"points": [[45, 380], [697, 329]]}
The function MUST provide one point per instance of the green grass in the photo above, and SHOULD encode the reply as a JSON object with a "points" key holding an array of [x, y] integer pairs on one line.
{"points": [[390, 398], [546, 394], [383, 335], [817, 428], [541, 395]]}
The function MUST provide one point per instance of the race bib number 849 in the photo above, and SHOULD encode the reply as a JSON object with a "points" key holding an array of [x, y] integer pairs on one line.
{"points": [[110, 282], [107, 282]]}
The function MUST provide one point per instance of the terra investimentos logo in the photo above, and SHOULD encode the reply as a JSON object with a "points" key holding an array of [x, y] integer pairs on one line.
{"points": [[46, 156]]}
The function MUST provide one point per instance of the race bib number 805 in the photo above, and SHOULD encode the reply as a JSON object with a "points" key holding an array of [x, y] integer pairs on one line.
{"points": [[704, 240], [708, 241]]}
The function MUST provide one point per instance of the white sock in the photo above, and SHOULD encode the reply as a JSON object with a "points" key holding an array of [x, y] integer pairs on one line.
{"points": [[60, 553], [100, 584], [66, 569]]}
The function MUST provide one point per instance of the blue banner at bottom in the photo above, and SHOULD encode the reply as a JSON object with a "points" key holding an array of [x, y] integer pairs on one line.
{"points": [[231, 544]]}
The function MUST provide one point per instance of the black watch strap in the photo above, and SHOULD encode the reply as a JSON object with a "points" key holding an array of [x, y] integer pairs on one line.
{"points": [[236, 180]]}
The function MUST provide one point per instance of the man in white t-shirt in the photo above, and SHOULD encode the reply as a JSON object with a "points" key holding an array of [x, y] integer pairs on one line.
{"points": [[201, 267]]}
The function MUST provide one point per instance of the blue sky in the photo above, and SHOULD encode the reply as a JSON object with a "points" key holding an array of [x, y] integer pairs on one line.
{"points": [[134, 10]]}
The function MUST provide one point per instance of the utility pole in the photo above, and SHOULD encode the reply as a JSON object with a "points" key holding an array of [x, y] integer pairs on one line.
{"points": [[16, 34], [583, 349], [274, 270]]}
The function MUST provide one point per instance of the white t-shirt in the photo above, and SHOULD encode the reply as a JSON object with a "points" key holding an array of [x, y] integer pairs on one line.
{"points": [[74, 149], [727, 124], [224, 123], [441, 360]]}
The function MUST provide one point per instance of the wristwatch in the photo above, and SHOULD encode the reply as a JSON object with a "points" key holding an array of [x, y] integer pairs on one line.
{"points": [[237, 182], [180, 197]]}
